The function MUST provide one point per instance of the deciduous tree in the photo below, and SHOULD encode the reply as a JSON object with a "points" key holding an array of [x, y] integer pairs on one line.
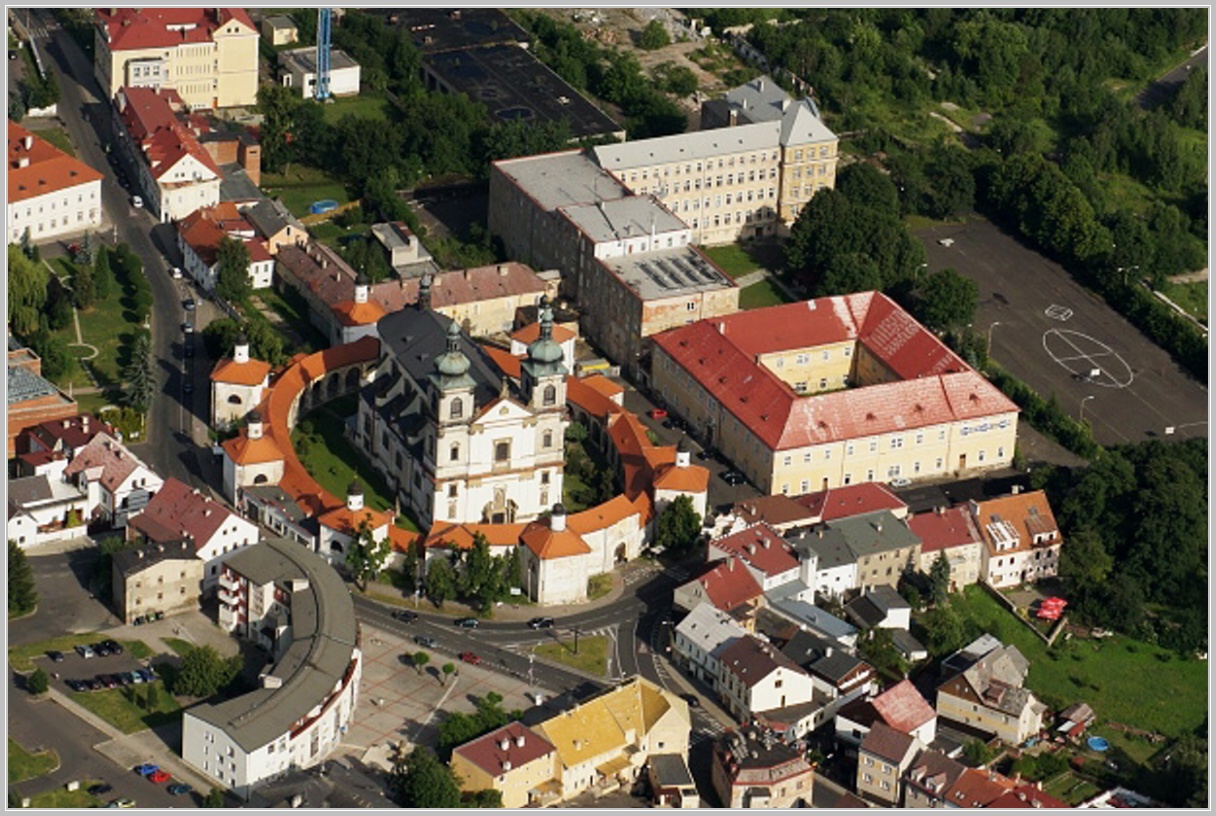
{"points": [[234, 258], [366, 557], [679, 525], [440, 580]]}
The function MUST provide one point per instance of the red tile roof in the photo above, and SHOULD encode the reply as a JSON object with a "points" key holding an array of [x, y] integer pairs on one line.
{"points": [[760, 547], [547, 544], [462, 286], [47, 170], [611, 512], [488, 754], [1027, 796], [691, 479], [591, 399], [1028, 513], [940, 531], [245, 451], [531, 333], [887, 743], [977, 789], [850, 500], [107, 453], [720, 353], [507, 362], [348, 521], [129, 28], [729, 585], [351, 313], [63, 434], [448, 535], [150, 117], [253, 372], [903, 708], [603, 385], [178, 511]]}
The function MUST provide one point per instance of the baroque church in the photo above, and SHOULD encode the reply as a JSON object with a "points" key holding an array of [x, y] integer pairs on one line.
{"points": [[458, 439]]}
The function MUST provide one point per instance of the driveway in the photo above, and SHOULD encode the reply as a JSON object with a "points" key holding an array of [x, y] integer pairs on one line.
{"points": [[1051, 333], [65, 602]]}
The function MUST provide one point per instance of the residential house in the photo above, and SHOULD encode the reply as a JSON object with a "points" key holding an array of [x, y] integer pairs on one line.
{"points": [[209, 56], [880, 608], [1022, 539], [118, 484], [404, 250], [272, 507], [814, 619], [201, 234], [989, 696], [835, 673], [671, 782], [770, 559], [1026, 795], [755, 677], [978, 788], [178, 511], [341, 526], [883, 758], [164, 577], [237, 385], [952, 534], [50, 194], [298, 69], [901, 707], [275, 225], [280, 29], [929, 779], [884, 546], [513, 760], [39, 445], [850, 389], [700, 637], [757, 771], [45, 509], [729, 586]]}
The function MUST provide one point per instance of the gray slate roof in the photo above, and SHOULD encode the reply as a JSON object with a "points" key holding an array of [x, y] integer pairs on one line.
{"points": [[416, 337], [698, 145], [271, 216], [874, 533], [129, 562], [29, 489], [671, 770]]}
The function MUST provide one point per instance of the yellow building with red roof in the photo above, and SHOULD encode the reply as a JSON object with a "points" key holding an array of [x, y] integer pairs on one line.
{"points": [[50, 193]]}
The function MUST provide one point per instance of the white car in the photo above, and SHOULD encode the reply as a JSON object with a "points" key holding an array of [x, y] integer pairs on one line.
{"points": [[901, 482], [176, 272], [137, 202]]}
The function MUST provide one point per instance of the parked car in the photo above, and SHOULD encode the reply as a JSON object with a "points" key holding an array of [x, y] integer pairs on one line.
{"points": [[99, 789], [188, 328], [101, 650], [176, 273], [468, 623], [658, 413], [76, 685], [146, 769], [425, 640], [95, 684], [405, 615], [733, 477], [159, 776], [114, 646], [85, 651], [179, 788], [693, 700], [190, 304], [138, 621], [124, 802], [146, 674], [137, 202], [128, 678], [55, 655], [901, 482], [541, 623], [136, 678], [470, 658]]}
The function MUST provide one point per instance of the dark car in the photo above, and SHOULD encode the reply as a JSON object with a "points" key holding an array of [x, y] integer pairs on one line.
{"points": [[85, 650], [114, 646], [179, 788], [187, 387], [101, 650], [95, 684], [405, 615], [190, 304], [733, 477], [55, 655], [76, 685], [468, 623], [98, 790], [425, 640], [693, 700], [541, 623], [147, 674], [138, 621]]}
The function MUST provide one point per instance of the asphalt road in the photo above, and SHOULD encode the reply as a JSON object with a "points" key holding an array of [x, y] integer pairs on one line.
{"points": [[1165, 86], [1049, 331], [86, 116]]}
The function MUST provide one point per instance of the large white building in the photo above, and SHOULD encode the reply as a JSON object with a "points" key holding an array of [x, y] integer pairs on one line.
{"points": [[456, 439], [286, 599], [50, 193]]}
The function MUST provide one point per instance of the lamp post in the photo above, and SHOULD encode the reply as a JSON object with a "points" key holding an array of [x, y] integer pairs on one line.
{"points": [[988, 347], [1081, 416]]}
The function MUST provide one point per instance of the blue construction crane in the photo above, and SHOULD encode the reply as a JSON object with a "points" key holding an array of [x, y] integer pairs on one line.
{"points": [[324, 41]]}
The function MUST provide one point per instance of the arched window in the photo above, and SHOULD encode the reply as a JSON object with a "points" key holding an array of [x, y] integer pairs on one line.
{"points": [[550, 397], [260, 479], [234, 399], [335, 547], [548, 439], [457, 408], [455, 453]]}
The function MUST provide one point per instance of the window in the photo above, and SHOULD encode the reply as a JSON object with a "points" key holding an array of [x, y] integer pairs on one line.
{"points": [[502, 452], [823, 382], [550, 397], [544, 477], [920, 439], [849, 449], [806, 457], [454, 454], [873, 446], [897, 442], [806, 486], [1000, 453], [457, 408], [789, 460]]}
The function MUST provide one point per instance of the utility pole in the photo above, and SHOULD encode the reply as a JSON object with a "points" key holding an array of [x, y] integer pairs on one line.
{"points": [[576, 640]]}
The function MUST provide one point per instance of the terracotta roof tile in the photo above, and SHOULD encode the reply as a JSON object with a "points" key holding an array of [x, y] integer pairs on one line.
{"points": [[888, 743], [140, 28], [348, 521], [939, 531], [547, 544], [1027, 796], [603, 385], [177, 511], [531, 333], [48, 170], [351, 313], [760, 547], [507, 362], [977, 789], [107, 453], [1027, 514], [253, 372], [462, 286], [245, 451], [487, 753], [613, 511], [691, 479], [729, 585], [850, 500], [903, 708]]}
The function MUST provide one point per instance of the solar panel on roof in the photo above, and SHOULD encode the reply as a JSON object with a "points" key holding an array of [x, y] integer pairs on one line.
{"points": [[24, 384]]}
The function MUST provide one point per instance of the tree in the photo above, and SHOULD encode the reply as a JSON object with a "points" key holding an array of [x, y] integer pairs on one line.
{"points": [[679, 525], [677, 80], [140, 375], [22, 592], [482, 579], [977, 753], [654, 36], [103, 274], [27, 285], [56, 360], [440, 580], [367, 557], [448, 670], [151, 697], [39, 682], [865, 185], [939, 579], [421, 658], [84, 286], [485, 798], [420, 780], [877, 647], [1085, 563], [203, 672], [946, 300], [234, 259], [215, 799], [945, 631]]}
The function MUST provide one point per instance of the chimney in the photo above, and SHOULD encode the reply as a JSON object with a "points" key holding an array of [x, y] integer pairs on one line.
{"points": [[467, 274], [828, 651], [557, 521], [503, 269], [504, 743], [730, 565], [160, 548], [254, 425], [240, 352], [29, 144], [1016, 489], [506, 764], [721, 327], [820, 532], [878, 526], [354, 497], [362, 288], [519, 741], [24, 161], [760, 84], [941, 510], [139, 553]]}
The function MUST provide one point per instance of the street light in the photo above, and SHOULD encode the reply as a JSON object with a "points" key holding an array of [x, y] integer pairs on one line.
{"points": [[988, 348], [1081, 416]]}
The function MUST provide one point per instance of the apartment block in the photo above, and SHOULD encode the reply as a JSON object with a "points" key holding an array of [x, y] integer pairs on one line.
{"points": [[50, 193]]}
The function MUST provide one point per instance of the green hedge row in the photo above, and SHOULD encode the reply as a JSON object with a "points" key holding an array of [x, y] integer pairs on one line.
{"points": [[1045, 415]]}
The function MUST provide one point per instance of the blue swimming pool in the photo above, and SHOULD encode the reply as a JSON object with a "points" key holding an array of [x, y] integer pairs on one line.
{"points": [[1098, 743]]}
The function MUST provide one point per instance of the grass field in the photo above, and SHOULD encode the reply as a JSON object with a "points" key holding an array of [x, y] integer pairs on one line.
{"points": [[115, 706], [1193, 297], [363, 106], [62, 798], [23, 764], [598, 586], [1070, 789], [303, 185], [1124, 680], [182, 647], [105, 325], [22, 658], [59, 137], [592, 654], [294, 312], [733, 259], [761, 294]]}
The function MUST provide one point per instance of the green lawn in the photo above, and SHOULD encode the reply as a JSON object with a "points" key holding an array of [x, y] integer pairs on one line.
{"points": [[294, 311], [303, 185], [333, 461], [22, 658], [363, 106], [116, 707], [182, 647], [23, 764], [1070, 789], [761, 294], [733, 259], [1124, 680], [105, 325], [592, 654], [1193, 297], [598, 586], [59, 137], [63, 798]]}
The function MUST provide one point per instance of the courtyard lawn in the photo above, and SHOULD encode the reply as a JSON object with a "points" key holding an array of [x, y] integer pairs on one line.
{"points": [[118, 707], [333, 461], [301, 186], [1191, 297], [1123, 680], [23, 764], [107, 326], [363, 106], [22, 658], [294, 312], [592, 654], [733, 259], [1070, 789], [761, 294]]}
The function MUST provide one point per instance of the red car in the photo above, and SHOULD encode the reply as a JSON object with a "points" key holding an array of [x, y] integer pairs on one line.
{"points": [[160, 776], [469, 657], [658, 413]]}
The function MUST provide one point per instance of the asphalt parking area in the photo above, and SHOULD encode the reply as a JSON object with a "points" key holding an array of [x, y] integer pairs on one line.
{"points": [[1061, 339]]}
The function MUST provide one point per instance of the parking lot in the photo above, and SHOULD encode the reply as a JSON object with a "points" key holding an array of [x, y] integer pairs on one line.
{"points": [[1061, 339]]}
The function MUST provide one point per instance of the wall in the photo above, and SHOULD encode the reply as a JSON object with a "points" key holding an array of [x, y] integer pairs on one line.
{"points": [[62, 212]]}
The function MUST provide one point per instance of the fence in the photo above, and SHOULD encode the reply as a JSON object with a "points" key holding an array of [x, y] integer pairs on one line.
{"points": [[1013, 610]]}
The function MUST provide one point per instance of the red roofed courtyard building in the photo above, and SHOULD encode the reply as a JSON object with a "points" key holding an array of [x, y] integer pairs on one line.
{"points": [[49, 192], [830, 392]]}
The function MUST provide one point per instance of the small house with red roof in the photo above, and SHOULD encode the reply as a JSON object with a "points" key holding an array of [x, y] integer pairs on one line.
{"points": [[207, 55], [771, 560], [929, 779], [117, 482], [46, 448], [237, 385], [1021, 537], [513, 760], [179, 512], [978, 788], [901, 707], [727, 584], [884, 756], [50, 193], [950, 533], [1026, 795], [754, 677], [202, 232]]}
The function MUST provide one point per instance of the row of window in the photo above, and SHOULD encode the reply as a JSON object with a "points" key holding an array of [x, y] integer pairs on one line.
{"points": [[805, 358], [702, 166], [810, 153], [810, 172], [694, 204], [893, 472]]}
